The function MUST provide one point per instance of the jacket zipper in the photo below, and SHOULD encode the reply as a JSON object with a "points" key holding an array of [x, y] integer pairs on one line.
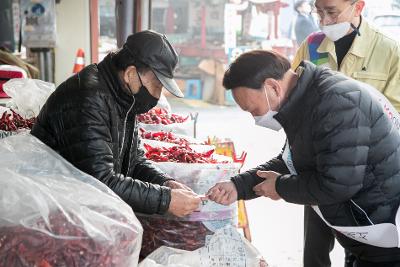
{"points": [[135, 148], [123, 137]]}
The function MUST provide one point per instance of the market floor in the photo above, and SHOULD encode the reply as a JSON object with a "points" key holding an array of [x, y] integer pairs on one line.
{"points": [[276, 226]]}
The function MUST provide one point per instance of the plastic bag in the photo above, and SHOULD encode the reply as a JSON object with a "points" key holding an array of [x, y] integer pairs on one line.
{"points": [[159, 119], [4, 109], [163, 103], [226, 248], [168, 137], [195, 147], [52, 214], [4, 134], [29, 95], [189, 233], [185, 128], [8, 72]]}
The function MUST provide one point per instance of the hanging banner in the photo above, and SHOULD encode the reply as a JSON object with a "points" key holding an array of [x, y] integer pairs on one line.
{"points": [[38, 23]]}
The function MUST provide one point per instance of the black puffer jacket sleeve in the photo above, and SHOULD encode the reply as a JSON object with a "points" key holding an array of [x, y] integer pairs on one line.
{"points": [[245, 181], [81, 134], [340, 134]]}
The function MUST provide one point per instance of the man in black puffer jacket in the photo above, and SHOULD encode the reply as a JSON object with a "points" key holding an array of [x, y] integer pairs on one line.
{"points": [[91, 121], [342, 154]]}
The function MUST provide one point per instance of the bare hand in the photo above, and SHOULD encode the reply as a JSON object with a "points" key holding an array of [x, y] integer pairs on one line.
{"points": [[267, 188], [176, 185], [183, 202], [224, 193]]}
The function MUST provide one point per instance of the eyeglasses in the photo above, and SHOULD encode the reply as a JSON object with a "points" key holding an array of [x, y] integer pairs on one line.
{"points": [[332, 15], [154, 83]]}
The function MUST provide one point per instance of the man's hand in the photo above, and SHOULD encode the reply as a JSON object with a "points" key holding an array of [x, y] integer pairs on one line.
{"points": [[267, 188], [224, 193], [183, 202], [176, 185]]}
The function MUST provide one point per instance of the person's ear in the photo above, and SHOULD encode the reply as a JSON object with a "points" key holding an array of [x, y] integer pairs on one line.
{"points": [[129, 74], [358, 8], [274, 87]]}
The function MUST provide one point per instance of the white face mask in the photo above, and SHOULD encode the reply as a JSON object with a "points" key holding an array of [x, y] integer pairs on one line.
{"points": [[267, 120], [336, 31]]}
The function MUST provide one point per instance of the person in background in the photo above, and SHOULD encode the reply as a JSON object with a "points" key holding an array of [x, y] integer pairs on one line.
{"points": [[305, 24], [349, 44], [342, 154], [90, 120]]}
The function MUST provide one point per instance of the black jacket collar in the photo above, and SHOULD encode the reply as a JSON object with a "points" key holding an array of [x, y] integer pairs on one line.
{"points": [[292, 108], [109, 74]]}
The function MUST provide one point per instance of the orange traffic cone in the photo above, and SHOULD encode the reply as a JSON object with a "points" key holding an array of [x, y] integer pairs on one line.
{"points": [[79, 61]]}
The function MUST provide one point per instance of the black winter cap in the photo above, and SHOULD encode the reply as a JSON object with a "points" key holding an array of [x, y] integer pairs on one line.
{"points": [[154, 50]]}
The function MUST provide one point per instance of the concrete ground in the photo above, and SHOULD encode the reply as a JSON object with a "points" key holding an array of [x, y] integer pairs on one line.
{"points": [[276, 226]]}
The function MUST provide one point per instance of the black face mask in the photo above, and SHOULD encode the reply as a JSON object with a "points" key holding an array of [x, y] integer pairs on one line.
{"points": [[144, 101]]}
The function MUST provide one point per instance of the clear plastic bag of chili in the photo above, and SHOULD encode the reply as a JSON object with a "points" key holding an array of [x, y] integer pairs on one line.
{"points": [[166, 137], [12, 123], [161, 116], [225, 248], [164, 140], [189, 233], [203, 154], [52, 214], [158, 119], [28, 95]]}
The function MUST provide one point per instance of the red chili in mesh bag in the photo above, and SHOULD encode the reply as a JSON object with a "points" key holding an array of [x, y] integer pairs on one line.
{"points": [[164, 137], [62, 243], [160, 116], [157, 232], [13, 122], [182, 154]]}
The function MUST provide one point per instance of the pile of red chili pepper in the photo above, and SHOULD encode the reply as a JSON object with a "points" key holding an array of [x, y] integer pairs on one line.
{"points": [[64, 243], [13, 122], [164, 137], [186, 235], [181, 154], [160, 116]]}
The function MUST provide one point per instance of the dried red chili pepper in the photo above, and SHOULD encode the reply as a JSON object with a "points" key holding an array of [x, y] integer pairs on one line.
{"points": [[160, 116], [182, 154], [64, 241], [187, 235], [164, 137], [13, 122]]}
